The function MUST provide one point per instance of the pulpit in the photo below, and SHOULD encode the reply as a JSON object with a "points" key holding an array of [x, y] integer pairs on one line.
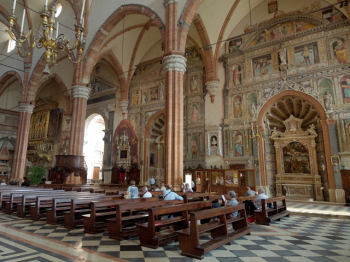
{"points": [[69, 169]]}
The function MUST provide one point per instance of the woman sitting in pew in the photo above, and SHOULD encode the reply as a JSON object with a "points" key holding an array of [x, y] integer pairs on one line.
{"points": [[133, 190], [188, 189], [232, 202]]}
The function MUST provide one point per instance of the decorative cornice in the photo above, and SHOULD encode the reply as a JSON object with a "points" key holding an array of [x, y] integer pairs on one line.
{"points": [[26, 108], [175, 63], [212, 88], [81, 92], [167, 2]]}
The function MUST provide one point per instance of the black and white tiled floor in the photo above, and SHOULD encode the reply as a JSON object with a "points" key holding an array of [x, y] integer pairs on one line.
{"points": [[296, 238]]}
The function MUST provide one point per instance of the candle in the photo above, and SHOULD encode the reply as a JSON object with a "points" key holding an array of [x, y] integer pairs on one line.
{"points": [[82, 10], [57, 29], [24, 16], [14, 4], [46, 2]]}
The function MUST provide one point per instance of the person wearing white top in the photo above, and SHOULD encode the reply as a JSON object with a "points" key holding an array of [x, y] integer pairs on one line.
{"points": [[157, 188], [152, 181], [163, 187], [146, 194], [257, 200]]}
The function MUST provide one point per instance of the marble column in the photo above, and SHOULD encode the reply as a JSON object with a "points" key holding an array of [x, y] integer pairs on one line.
{"points": [[80, 96], [19, 158], [175, 67], [108, 139]]}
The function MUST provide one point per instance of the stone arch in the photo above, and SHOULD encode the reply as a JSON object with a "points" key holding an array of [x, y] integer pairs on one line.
{"points": [[151, 120], [11, 140], [5, 77], [91, 115], [108, 25], [61, 84]]}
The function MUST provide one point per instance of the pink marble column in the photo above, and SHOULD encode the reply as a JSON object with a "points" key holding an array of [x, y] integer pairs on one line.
{"points": [[80, 96], [19, 158]]}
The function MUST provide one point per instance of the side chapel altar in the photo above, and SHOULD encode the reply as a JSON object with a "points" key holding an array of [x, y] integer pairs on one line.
{"points": [[297, 171]]}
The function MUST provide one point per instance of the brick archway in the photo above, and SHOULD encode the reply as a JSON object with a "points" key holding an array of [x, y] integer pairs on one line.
{"points": [[151, 120], [325, 131], [5, 77], [108, 25]]}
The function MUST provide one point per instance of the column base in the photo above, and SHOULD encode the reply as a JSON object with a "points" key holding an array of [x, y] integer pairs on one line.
{"points": [[107, 176], [337, 195]]}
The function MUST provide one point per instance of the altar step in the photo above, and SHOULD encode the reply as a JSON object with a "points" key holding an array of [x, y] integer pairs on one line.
{"points": [[319, 209]]}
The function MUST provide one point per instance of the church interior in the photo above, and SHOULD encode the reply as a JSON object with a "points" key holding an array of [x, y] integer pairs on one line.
{"points": [[101, 96]]}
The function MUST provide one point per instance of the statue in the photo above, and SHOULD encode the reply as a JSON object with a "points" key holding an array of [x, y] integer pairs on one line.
{"points": [[311, 130], [253, 111], [276, 133], [327, 98], [282, 51]]}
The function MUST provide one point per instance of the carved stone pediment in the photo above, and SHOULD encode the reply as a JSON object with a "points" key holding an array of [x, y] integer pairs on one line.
{"points": [[293, 126]]}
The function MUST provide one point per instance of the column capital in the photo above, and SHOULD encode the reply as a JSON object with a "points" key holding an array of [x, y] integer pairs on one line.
{"points": [[212, 88], [175, 63], [124, 107], [81, 92], [26, 108], [167, 2]]}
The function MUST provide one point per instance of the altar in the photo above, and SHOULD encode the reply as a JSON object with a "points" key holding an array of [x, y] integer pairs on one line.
{"points": [[297, 171]]}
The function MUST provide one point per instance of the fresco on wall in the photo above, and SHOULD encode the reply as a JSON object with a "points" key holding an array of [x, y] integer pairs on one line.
{"points": [[234, 45], [252, 100], [135, 98], [238, 144], [134, 121], [153, 94], [237, 103], [261, 38], [306, 55], [279, 31], [148, 115], [296, 158], [194, 112], [333, 15], [339, 50], [151, 159], [194, 146], [301, 26], [194, 84], [236, 75], [326, 85], [345, 85], [262, 65]]}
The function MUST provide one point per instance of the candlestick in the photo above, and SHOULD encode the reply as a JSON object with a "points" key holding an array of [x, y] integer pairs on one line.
{"points": [[57, 29], [14, 4], [24, 16], [82, 10]]}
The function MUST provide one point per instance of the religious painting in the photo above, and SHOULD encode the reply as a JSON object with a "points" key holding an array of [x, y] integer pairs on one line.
{"points": [[272, 6], [345, 85], [301, 26], [217, 178], [53, 122], [153, 94], [233, 45], [229, 178], [252, 104], [279, 31], [194, 112], [339, 50], [335, 160], [306, 55], [333, 15], [236, 71], [151, 159], [144, 97], [213, 141], [135, 97], [237, 106], [326, 85], [194, 87], [194, 146], [238, 144], [262, 65], [259, 39], [296, 158], [134, 121]]}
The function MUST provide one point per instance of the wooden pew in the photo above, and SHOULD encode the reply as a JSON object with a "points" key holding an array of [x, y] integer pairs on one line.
{"points": [[61, 205], [96, 221], [115, 225], [189, 237], [192, 197], [147, 231], [267, 215]]}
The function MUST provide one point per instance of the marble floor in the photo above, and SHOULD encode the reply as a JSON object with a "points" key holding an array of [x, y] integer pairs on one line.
{"points": [[297, 238]]}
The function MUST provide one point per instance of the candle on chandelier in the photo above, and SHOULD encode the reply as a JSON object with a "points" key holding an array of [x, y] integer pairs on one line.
{"points": [[14, 4], [24, 16], [57, 29], [252, 128], [82, 11], [46, 2]]}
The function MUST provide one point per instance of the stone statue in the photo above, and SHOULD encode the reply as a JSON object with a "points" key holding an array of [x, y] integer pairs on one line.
{"points": [[276, 133], [282, 51], [327, 98], [311, 130], [253, 111]]}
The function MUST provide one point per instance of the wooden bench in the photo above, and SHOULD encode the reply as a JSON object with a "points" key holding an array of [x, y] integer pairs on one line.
{"points": [[267, 215], [147, 231], [74, 216], [96, 221], [126, 217], [189, 237]]}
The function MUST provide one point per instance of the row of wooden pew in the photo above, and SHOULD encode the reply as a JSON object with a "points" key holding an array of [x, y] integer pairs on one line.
{"points": [[123, 218]]}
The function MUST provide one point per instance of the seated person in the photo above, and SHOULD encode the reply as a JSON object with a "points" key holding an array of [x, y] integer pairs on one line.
{"points": [[187, 188], [145, 192], [133, 190], [157, 188], [182, 188], [257, 200], [169, 195], [249, 205], [232, 202], [162, 187]]}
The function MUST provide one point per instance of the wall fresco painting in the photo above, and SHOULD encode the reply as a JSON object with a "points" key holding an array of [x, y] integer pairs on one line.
{"points": [[345, 85], [135, 98], [301, 26], [153, 94], [296, 158], [194, 112], [306, 55], [234, 45], [238, 144], [333, 15], [279, 31], [194, 84], [194, 146], [261, 38], [262, 65], [326, 85], [236, 71], [339, 50], [237, 106]]}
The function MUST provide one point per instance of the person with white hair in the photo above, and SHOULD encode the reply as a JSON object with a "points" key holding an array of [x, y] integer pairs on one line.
{"points": [[188, 189], [162, 187], [232, 202], [146, 193], [257, 200]]}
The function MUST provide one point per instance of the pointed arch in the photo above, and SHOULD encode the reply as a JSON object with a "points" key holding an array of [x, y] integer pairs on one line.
{"points": [[5, 77]]}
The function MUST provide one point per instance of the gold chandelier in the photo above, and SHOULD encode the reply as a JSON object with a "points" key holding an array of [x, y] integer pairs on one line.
{"points": [[46, 39]]}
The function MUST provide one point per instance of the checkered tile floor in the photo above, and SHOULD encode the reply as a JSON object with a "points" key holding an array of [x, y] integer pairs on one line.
{"points": [[296, 238]]}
